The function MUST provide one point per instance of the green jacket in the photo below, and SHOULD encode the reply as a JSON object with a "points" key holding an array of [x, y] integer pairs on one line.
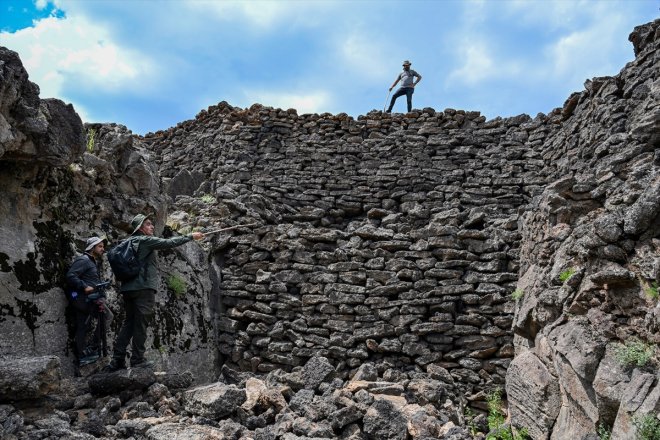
{"points": [[147, 247]]}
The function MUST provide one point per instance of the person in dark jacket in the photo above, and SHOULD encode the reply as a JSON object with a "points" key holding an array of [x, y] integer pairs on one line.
{"points": [[139, 294], [82, 279]]}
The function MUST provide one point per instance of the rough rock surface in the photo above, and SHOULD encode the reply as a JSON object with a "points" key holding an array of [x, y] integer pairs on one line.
{"points": [[374, 293], [599, 227], [28, 378], [55, 192], [265, 407]]}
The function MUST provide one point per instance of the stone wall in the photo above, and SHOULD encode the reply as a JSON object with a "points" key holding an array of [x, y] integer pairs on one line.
{"points": [[388, 239], [393, 239]]}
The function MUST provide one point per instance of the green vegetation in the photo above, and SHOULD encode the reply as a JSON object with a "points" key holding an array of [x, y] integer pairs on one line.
{"points": [[604, 433], [565, 275], [469, 421], [177, 285], [208, 199], [517, 294], [496, 418], [634, 352], [91, 139], [651, 290], [648, 427]]}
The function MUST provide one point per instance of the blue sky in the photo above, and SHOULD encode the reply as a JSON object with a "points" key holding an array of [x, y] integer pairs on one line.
{"points": [[150, 64]]}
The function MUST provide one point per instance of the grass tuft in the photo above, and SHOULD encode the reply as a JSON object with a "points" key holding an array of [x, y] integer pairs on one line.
{"points": [[634, 353], [517, 294], [647, 427], [567, 274], [91, 140], [177, 285]]}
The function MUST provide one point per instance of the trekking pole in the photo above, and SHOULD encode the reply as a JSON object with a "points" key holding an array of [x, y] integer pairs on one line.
{"points": [[387, 99], [229, 228], [99, 295], [104, 336]]}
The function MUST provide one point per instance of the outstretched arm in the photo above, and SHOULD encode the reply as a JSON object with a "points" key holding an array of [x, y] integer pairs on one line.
{"points": [[168, 243]]}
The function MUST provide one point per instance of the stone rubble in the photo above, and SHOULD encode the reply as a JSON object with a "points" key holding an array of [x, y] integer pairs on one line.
{"points": [[308, 403]]}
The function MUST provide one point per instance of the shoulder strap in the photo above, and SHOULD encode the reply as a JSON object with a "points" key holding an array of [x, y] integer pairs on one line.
{"points": [[143, 263]]}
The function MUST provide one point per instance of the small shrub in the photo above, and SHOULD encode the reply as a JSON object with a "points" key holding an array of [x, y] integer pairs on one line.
{"points": [[517, 294], [647, 427], [634, 352], [565, 275], [652, 290], [91, 140], [496, 419], [177, 285], [604, 433], [469, 421], [208, 199]]}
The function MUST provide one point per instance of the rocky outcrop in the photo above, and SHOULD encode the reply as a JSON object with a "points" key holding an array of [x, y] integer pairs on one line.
{"points": [[590, 255], [57, 190], [31, 129]]}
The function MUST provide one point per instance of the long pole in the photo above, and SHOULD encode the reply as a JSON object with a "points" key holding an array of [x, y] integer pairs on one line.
{"points": [[387, 99], [229, 228]]}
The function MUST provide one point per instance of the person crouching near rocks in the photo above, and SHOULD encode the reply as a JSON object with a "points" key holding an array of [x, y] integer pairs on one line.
{"points": [[139, 293], [82, 279]]}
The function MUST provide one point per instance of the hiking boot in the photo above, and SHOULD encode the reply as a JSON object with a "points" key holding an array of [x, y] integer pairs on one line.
{"points": [[141, 363], [89, 359], [114, 366]]}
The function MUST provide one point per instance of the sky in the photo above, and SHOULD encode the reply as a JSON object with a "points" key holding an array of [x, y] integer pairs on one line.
{"points": [[151, 64]]}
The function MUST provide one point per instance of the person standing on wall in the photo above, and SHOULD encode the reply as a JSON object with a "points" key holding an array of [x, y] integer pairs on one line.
{"points": [[407, 85], [139, 293]]}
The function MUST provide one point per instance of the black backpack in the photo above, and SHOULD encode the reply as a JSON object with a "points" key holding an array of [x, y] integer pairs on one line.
{"points": [[124, 261]]}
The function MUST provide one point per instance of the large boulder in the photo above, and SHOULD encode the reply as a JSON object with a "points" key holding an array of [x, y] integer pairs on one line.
{"points": [[28, 378], [214, 401]]}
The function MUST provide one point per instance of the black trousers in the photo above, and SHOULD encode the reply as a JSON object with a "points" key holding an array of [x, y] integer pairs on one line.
{"points": [[87, 316], [139, 306]]}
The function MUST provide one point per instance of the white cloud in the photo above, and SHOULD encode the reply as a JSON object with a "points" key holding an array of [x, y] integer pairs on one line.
{"points": [[365, 58], [476, 64], [264, 13], [553, 14], [314, 102], [60, 50], [586, 52]]}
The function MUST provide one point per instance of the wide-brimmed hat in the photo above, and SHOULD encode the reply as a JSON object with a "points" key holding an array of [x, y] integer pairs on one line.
{"points": [[93, 241], [406, 63], [137, 221]]}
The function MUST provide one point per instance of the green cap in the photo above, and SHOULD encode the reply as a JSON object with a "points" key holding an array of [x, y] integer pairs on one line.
{"points": [[137, 221]]}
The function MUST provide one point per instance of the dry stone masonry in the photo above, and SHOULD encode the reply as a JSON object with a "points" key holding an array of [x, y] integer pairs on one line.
{"points": [[399, 267]]}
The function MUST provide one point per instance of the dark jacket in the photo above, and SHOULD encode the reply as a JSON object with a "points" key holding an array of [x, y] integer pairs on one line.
{"points": [[147, 247], [84, 272]]}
